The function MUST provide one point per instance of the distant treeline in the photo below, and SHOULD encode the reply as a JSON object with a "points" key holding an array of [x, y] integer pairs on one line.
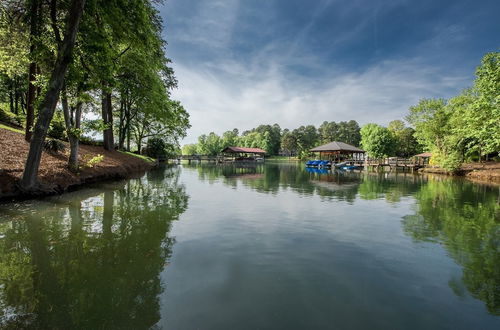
{"points": [[394, 140], [464, 128]]}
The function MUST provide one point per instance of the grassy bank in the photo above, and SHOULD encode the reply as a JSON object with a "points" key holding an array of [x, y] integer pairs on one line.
{"points": [[96, 164]]}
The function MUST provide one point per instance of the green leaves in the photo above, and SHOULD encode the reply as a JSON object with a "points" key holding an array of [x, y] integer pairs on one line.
{"points": [[468, 125], [377, 141]]}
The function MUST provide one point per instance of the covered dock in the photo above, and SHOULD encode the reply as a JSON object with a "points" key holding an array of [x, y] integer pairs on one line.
{"points": [[422, 159], [242, 154], [339, 151]]}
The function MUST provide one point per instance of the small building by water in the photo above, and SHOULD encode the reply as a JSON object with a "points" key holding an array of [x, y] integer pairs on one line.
{"points": [[242, 154], [339, 151]]}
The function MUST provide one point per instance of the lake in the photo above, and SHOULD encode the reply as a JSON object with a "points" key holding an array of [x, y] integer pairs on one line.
{"points": [[269, 246]]}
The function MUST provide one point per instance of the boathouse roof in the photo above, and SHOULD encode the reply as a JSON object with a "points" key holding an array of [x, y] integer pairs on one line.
{"points": [[337, 146], [243, 150], [424, 155]]}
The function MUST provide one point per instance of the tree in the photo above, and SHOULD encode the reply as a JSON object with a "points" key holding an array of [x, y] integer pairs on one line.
{"points": [[431, 120], [48, 105], [289, 143], [377, 141], [405, 143], [476, 112], [230, 138], [190, 149]]}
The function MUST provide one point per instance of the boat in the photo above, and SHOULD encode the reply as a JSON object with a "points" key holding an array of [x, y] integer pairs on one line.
{"points": [[319, 163], [351, 167]]}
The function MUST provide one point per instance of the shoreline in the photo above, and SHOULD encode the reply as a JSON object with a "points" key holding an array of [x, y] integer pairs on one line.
{"points": [[488, 172], [54, 175]]}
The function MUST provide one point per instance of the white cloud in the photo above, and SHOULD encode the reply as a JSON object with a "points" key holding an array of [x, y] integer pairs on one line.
{"points": [[211, 25], [230, 94]]}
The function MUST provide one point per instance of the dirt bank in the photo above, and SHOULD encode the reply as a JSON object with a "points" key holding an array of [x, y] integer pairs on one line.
{"points": [[54, 175], [484, 172]]}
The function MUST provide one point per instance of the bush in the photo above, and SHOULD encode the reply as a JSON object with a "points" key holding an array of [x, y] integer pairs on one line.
{"points": [[57, 129], [92, 161], [10, 118], [53, 146], [90, 141], [156, 148]]}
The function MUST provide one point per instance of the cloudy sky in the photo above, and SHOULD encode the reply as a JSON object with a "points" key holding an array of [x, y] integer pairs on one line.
{"points": [[241, 63]]}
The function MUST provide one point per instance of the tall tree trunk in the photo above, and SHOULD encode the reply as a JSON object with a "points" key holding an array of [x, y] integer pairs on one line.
{"points": [[23, 103], [107, 118], [109, 109], [121, 126], [11, 100], [72, 120], [46, 111], [128, 138], [30, 97], [16, 102]]}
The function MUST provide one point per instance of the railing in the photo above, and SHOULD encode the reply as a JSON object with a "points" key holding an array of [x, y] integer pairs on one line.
{"points": [[393, 162]]}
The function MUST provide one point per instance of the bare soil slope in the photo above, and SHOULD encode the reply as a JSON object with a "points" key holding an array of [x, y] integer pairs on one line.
{"points": [[54, 174]]}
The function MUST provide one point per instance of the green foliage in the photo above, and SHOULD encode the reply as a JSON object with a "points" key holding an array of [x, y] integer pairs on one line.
{"points": [[377, 141], [476, 112], [289, 143], [348, 132], [156, 148], [90, 162], [430, 120], [406, 145], [90, 141], [57, 129], [466, 127], [11, 128], [53, 146], [9, 118], [189, 149]]}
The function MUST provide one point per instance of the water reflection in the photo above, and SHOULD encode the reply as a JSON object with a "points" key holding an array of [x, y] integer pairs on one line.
{"points": [[461, 216], [89, 259], [465, 218], [93, 258]]}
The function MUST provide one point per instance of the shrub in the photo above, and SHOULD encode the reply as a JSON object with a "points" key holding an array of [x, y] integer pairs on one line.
{"points": [[57, 129], [156, 148], [10, 118], [90, 141], [53, 146], [92, 161]]}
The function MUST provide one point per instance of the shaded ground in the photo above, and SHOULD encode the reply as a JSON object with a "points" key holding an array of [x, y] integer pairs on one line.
{"points": [[54, 174]]}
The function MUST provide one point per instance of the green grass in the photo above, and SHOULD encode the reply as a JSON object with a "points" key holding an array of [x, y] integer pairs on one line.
{"points": [[145, 158], [11, 128]]}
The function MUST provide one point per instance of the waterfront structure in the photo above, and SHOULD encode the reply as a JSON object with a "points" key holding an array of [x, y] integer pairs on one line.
{"points": [[338, 151]]}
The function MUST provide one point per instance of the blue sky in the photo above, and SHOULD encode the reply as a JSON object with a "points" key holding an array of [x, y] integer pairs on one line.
{"points": [[241, 63]]}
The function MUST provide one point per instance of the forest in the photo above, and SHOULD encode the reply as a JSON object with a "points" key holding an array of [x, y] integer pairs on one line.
{"points": [[464, 128], [87, 70]]}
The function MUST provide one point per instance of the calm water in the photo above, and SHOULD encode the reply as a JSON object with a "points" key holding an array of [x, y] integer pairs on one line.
{"points": [[266, 247]]}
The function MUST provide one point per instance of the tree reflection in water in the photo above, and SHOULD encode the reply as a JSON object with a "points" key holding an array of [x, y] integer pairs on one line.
{"points": [[465, 218], [90, 259], [462, 216]]}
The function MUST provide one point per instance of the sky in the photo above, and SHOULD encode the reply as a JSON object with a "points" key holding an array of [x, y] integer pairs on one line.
{"points": [[242, 63]]}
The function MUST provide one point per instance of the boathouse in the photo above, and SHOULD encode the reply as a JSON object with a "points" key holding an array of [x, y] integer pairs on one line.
{"points": [[338, 151], [243, 154], [422, 159]]}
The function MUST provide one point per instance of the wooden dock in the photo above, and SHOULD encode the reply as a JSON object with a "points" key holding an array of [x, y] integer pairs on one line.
{"points": [[393, 163]]}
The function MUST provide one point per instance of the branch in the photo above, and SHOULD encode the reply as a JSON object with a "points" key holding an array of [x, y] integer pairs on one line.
{"points": [[53, 21], [121, 54]]}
